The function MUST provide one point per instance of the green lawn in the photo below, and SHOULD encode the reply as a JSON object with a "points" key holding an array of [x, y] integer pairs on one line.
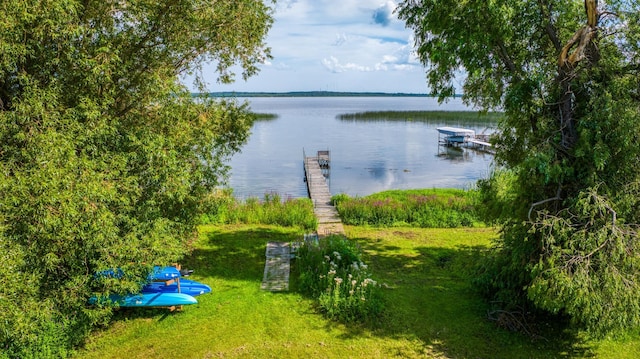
{"points": [[431, 309]]}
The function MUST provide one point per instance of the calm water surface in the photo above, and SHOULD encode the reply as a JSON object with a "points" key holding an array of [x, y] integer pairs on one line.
{"points": [[366, 156]]}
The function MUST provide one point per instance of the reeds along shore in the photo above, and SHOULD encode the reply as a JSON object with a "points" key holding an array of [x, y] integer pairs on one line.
{"points": [[461, 117]]}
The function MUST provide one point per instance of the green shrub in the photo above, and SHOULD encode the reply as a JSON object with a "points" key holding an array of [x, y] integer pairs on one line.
{"points": [[216, 207], [34, 334], [332, 272], [442, 208]]}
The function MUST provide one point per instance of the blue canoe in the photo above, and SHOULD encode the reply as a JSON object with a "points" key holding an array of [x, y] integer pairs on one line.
{"points": [[187, 286], [154, 300]]}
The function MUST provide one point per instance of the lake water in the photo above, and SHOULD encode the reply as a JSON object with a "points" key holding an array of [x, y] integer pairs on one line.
{"points": [[366, 156]]}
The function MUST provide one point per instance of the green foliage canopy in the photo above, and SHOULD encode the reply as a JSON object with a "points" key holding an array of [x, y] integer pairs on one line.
{"points": [[104, 154], [566, 73]]}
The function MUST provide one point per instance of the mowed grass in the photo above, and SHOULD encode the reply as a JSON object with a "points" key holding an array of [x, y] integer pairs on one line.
{"points": [[431, 308]]}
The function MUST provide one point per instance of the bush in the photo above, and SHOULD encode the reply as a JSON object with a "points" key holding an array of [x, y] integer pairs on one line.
{"points": [[332, 272], [31, 332]]}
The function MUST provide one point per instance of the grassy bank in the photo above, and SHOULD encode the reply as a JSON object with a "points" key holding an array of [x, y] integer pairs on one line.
{"points": [[431, 309], [223, 208], [426, 208]]}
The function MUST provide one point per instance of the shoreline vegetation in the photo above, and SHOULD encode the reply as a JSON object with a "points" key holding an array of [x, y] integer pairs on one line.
{"points": [[420, 208], [461, 118], [265, 116], [417, 285], [424, 116], [225, 94]]}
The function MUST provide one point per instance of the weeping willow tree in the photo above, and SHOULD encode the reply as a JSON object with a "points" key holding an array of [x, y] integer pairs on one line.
{"points": [[105, 156], [567, 190]]}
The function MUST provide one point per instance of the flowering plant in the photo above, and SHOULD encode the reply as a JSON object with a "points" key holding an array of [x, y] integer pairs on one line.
{"points": [[333, 272]]}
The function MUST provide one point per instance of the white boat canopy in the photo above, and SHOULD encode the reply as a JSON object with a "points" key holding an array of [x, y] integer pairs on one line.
{"points": [[454, 131]]}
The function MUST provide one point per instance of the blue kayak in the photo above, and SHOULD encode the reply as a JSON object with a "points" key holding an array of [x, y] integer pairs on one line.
{"points": [[158, 273], [153, 300], [147, 300], [111, 273], [187, 286], [164, 273]]}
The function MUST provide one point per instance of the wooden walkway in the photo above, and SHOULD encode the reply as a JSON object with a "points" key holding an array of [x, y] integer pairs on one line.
{"points": [[329, 221], [278, 254], [277, 267]]}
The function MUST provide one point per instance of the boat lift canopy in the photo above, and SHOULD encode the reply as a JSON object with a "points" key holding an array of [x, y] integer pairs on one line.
{"points": [[456, 132]]}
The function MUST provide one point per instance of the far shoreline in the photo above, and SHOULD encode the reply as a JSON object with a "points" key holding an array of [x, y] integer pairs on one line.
{"points": [[314, 94]]}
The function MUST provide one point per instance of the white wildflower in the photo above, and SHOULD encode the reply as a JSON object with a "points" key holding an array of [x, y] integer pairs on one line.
{"points": [[368, 281], [327, 258], [338, 280], [355, 266], [332, 272], [363, 266]]}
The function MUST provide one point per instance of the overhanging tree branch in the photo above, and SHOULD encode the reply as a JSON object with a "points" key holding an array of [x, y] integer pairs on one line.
{"points": [[550, 28]]}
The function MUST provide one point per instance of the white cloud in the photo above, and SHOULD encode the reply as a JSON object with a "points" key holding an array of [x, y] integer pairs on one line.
{"points": [[389, 59], [337, 45], [332, 64]]}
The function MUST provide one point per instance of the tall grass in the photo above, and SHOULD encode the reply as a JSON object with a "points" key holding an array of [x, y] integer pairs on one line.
{"points": [[431, 208], [223, 208], [332, 272], [450, 117], [265, 116]]}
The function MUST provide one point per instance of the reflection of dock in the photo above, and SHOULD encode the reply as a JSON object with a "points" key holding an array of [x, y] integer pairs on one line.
{"points": [[453, 136], [316, 171], [455, 154]]}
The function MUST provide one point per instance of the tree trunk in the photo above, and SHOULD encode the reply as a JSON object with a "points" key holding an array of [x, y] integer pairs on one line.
{"points": [[580, 47]]}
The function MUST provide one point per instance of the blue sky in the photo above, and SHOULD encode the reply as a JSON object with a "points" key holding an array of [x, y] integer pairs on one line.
{"points": [[335, 45]]}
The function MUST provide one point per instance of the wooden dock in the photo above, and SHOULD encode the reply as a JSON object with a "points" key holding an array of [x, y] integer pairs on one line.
{"points": [[278, 254], [479, 144], [316, 169], [277, 267]]}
